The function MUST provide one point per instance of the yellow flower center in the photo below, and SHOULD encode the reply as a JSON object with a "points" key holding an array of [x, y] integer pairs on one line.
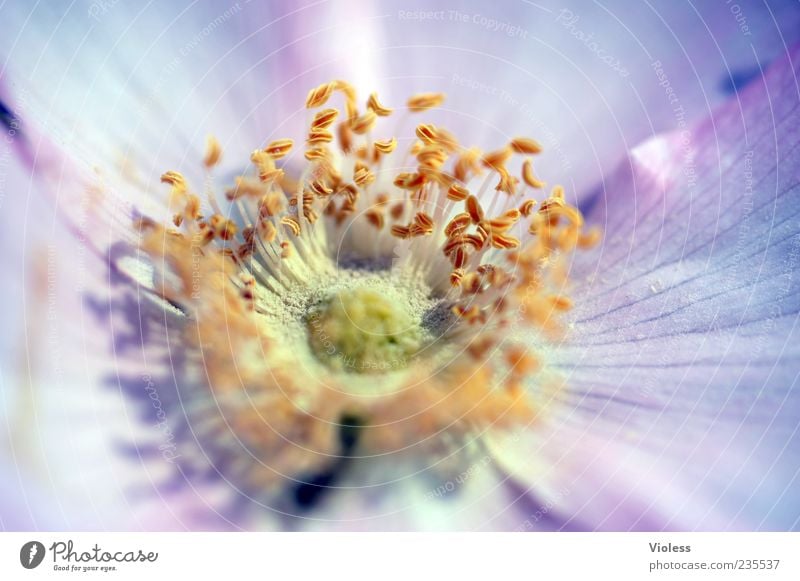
{"points": [[359, 330]]}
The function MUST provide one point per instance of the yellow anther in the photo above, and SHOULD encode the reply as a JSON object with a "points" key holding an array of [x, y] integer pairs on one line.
{"points": [[457, 193], [426, 133], [525, 145], [292, 224], [319, 95], [278, 149], [324, 119], [425, 101], [529, 177], [374, 105], [213, 152], [361, 125], [386, 146], [176, 180]]}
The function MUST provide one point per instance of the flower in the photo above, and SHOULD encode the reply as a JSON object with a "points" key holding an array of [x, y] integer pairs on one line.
{"points": [[353, 309], [666, 402]]}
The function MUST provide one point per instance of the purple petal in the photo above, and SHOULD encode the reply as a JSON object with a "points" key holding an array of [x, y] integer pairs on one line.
{"points": [[112, 79], [682, 401], [579, 76]]}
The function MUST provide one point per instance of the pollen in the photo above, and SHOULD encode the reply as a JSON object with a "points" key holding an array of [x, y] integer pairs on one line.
{"points": [[417, 287]]}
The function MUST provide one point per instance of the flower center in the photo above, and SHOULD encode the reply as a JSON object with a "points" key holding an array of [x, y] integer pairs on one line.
{"points": [[440, 320], [359, 330]]}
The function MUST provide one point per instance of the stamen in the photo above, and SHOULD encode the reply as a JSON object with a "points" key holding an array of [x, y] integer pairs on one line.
{"points": [[176, 180], [525, 145], [362, 124], [426, 133], [292, 224], [457, 193], [376, 107], [425, 101], [474, 209], [386, 146], [213, 152], [528, 176], [324, 119], [318, 96], [278, 149]]}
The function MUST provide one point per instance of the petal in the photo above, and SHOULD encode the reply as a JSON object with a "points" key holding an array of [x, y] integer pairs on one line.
{"points": [[681, 405], [148, 84], [578, 76], [143, 87]]}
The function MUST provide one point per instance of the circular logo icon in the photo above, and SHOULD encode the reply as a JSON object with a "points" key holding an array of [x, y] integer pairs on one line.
{"points": [[31, 554]]}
